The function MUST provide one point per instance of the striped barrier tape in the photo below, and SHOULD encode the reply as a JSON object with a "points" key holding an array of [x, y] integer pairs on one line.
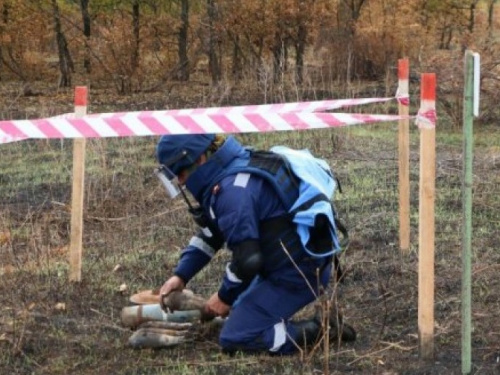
{"points": [[426, 119], [239, 119], [311, 106], [8, 138]]}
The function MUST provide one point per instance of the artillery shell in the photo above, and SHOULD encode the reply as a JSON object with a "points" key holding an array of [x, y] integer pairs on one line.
{"points": [[166, 325], [133, 316], [168, 332], [181, 301], [144, 338]]}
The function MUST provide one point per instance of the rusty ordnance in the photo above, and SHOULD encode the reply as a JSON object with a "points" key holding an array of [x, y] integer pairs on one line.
{"points": [[155, 338], [133, 316], [181, 301], [167, 324], [186, 301]]}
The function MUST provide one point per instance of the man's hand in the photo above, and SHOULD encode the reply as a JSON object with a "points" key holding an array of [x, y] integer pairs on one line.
{"points": [[174, 283], [216, 307]]}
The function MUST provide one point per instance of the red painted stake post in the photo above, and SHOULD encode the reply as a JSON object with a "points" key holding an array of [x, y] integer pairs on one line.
{"points": [[75, 249], [404, 156], [427, 124]]}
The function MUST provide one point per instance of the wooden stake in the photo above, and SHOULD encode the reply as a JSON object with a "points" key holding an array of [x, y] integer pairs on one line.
{"points": [[426, 217], [75, 249], [404, 157]]}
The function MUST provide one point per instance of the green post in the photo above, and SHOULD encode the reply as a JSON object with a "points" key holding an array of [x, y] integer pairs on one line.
{"points": [[468, 141]]}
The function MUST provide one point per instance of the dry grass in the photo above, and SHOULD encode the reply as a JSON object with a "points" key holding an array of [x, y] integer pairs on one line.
{"points": [[128, 222]]}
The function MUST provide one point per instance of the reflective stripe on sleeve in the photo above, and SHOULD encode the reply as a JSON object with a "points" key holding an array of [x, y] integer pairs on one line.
{"points": [[231, 276], [202, 245]]}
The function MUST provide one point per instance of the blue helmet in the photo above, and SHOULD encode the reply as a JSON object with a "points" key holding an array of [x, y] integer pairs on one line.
{"points": [[180, 151]]}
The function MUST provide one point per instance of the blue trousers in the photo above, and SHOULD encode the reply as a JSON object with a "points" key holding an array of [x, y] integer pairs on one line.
{"points": [[259, 320]]}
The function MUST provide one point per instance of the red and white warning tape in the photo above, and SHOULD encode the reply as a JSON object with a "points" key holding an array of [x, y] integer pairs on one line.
{"points": [[240, 119]]}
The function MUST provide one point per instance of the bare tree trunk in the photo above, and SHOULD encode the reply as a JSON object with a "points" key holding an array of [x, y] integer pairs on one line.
{"points": [[182, 39], [237, 65], [8, 58], [3, 23], [84, 7], [300, 48], [491, 11], [348, 13], [300, 43], [472, 15], [278, 53], [213, 61], [134, 63], [66, 66], [446, 37]]}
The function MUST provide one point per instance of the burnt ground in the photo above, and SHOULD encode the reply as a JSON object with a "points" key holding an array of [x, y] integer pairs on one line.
{"points": [[132, 236]]}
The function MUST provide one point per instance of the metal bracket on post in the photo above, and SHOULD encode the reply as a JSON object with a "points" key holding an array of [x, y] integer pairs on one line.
{"points": [[477, 82]]}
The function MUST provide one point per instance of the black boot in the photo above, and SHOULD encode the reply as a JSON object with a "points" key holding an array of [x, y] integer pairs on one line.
{"points": [[338, 328], [308, 332]]}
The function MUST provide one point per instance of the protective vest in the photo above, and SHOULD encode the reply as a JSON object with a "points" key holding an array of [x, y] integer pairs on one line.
{"points": [[304, 184]]}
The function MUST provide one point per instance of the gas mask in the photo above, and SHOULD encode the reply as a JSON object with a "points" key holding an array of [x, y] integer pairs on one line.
{"points": [[169, 180], [171, 183]]}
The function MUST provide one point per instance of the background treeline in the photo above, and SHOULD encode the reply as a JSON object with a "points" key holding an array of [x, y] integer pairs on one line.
{"points": [[143, 45]]}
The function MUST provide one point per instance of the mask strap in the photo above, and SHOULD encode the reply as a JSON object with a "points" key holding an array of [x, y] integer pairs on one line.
{"points": [[190, 206]]}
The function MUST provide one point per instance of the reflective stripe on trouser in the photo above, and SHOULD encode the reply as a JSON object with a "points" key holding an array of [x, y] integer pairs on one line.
{"points": [[259, 321]]}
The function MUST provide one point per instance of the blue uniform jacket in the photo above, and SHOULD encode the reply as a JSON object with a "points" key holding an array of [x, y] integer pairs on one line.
{"points": [[237, 203]]}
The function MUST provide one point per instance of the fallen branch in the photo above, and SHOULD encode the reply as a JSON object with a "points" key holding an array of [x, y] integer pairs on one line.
{"points": [[389, 346]]}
